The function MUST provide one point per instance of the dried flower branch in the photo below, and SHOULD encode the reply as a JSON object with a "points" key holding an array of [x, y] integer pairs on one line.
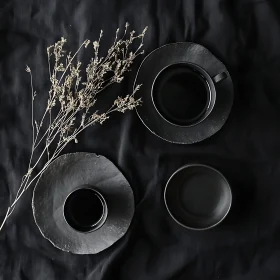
{"points": [[74, 99]]}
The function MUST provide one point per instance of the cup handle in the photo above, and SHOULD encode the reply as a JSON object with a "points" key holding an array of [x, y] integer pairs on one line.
{"points": [[219, 77]]}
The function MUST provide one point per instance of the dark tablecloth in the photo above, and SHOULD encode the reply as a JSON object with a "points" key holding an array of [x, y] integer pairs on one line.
{"points": [[245, 35]]}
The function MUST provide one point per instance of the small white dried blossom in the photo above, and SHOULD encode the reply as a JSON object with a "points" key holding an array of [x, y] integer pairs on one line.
{"points": [[86, 43], [60, 68], [126, 103], [95, 45]]}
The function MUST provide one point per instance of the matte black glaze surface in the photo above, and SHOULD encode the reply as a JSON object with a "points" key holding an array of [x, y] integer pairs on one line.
{"points": [[180, 53], [68, 173], [85, 209], [197, 196]]}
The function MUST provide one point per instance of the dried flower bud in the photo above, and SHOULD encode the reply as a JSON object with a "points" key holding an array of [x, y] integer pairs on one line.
{"points": [[95, 45], [86, 43]]}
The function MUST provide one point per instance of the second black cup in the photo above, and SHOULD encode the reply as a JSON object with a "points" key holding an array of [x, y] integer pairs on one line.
{"points": [[184, 94]]}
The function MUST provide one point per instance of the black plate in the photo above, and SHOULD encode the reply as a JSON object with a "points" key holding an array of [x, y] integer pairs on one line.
{"points": [[197, 196], [180, 53], [63, 213]]}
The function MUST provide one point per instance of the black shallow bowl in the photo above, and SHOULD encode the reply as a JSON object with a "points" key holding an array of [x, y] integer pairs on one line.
{"points": [[197, 197], [85, 209]]}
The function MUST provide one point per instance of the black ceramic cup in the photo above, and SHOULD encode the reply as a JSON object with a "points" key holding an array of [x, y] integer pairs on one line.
{"points": [[85, 209], [184, 94], [197, 196]]}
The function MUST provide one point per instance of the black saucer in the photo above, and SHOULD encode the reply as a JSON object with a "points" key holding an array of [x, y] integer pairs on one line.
{"points": [[183, 100], [82, 203], [197, 196]]}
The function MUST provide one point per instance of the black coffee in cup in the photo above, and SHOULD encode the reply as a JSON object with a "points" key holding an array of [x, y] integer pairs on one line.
{"points": [[181, 94], [85, 209]]}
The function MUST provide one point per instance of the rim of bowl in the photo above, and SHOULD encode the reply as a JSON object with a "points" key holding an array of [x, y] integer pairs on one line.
{"points": [[197, 165], [104, 214]]}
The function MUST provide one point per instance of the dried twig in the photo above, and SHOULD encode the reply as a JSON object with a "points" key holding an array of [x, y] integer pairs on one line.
{"points": [[74, 99]]}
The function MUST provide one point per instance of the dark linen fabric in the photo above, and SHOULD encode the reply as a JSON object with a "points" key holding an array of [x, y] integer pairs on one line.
{"points": [[245, 35]]}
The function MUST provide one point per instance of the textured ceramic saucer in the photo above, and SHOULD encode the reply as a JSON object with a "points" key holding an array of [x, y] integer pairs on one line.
{"points": [[58, 192], [169, 56]]}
